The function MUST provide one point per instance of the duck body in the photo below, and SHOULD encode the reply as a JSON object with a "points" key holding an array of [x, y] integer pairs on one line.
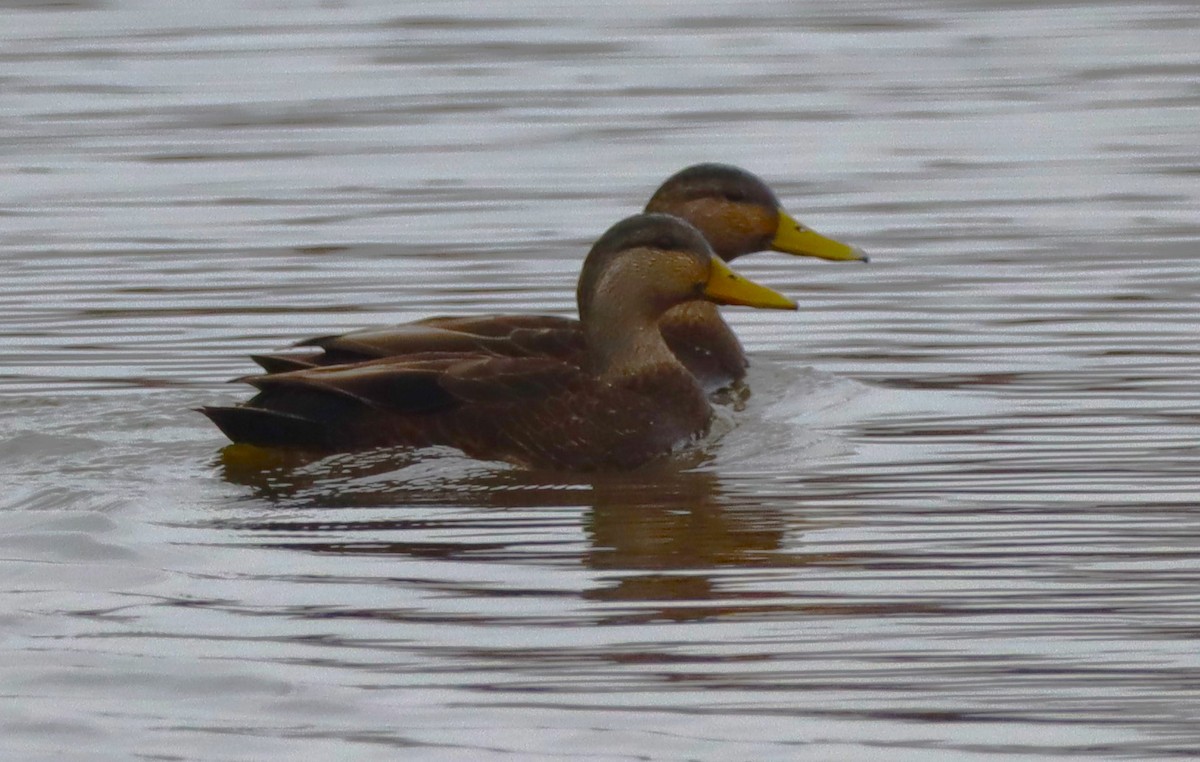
{"points": [[530, 412], [620, 399], [735, 211]]}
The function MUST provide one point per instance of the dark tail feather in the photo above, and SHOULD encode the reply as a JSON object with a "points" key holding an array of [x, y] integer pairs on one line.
{"points": [[284, 363], [267, 428]]}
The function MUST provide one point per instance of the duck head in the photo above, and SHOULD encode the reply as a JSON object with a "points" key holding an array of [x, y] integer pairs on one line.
{"points": [[739, 214], [640, 268]]}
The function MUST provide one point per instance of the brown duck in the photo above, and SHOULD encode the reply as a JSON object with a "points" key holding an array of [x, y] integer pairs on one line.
{"points": [[628, 399], [735, 211]]}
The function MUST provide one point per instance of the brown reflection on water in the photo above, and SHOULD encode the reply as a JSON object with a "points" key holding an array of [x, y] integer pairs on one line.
{"points": [[657, 538], [664, 533]]}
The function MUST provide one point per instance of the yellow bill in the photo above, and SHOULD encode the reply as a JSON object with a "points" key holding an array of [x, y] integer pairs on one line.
{"points": [[793, 238], [727, 287]]}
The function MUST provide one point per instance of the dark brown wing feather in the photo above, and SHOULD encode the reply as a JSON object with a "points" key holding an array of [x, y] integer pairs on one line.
{"points": [[695, 332], [500, 335], [268, 428], [499, 326], [277, 363], [410, 384], [509, 380]]}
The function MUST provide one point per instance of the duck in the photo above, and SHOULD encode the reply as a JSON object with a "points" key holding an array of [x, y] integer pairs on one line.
{"points": [[626, 401], [734, 209]]}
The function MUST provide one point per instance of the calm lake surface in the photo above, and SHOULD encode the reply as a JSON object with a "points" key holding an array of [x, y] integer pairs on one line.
{"points": [[958, 518]]}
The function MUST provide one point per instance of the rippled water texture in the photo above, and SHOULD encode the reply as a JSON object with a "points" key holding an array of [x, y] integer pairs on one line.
{"points": [[956, 519]]}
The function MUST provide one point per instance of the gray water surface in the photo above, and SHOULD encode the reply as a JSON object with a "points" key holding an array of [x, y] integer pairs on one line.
{"points": [[958, 517]]}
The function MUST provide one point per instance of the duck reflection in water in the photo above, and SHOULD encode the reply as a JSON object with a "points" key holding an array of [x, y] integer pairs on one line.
{"points": [[664, 533], [655, 539]]}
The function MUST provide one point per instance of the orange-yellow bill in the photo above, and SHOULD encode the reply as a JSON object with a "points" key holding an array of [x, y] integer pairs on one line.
{"points": [[791, 237], [727, 287]]}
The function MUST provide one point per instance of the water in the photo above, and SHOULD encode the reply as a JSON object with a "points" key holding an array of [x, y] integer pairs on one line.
{"points": [[958, 517]]}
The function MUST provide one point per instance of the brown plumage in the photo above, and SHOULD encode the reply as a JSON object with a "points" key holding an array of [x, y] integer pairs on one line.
{"points": [[620, 401], [735, 211]]}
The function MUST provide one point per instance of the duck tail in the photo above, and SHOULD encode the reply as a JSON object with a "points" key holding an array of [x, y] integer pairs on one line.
{"points": [[267, 428], [283, 363]]}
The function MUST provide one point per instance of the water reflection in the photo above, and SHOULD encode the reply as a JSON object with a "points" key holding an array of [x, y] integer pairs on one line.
{"points": [[659, 533]]}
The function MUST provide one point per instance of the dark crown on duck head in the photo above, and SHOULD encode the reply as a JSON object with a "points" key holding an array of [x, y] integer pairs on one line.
{"points": [[713, 180], [638, 233]]}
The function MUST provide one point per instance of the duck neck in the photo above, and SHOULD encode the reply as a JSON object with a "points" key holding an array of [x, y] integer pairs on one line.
{"points": [[623, 342]]}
